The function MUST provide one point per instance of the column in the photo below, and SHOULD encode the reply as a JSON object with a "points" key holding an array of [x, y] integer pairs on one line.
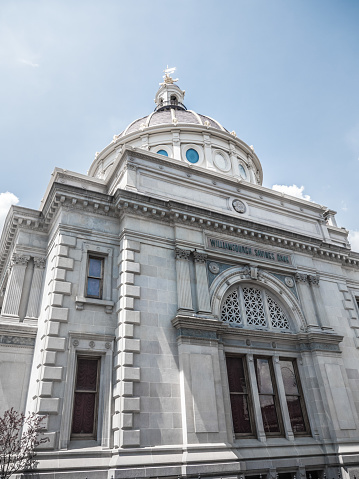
{"points": [[35, 291], [15, 285], [176, 143], [203, 301], [288, 431], [313, 282], [256, 404], [234, 160], [307, 300], [208, 151], [184, 293]]}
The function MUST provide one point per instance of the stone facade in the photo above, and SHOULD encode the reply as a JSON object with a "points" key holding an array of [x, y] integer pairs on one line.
{"points": [[199, 264]]}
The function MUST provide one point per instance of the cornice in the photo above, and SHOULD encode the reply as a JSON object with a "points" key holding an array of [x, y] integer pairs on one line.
{"points": [[210, 328], [170, 211]]}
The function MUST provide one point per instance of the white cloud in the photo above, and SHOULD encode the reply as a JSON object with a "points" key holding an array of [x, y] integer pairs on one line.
{"points": [[354, 240], [6, 200], [29, 63], [293, 190]]}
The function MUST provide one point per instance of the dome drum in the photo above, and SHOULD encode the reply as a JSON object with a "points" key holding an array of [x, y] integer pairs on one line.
{"points": [[184, 135]]}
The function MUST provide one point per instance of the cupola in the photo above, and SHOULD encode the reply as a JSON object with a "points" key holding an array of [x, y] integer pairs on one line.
{"points": [[169, 95]]}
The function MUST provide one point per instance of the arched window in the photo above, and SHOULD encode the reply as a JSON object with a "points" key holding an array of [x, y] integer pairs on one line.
{"points": [[249, 306], [174, 100]]}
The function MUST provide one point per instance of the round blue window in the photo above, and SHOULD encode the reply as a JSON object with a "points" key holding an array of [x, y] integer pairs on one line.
{"points": [[192, 155], [162, 152]]}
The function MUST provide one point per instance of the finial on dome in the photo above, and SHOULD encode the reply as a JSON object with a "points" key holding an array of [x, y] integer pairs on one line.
{"points": [[167, 79], [169, 95]]}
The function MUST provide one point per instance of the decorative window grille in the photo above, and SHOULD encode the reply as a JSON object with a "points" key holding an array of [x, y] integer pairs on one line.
{"points": [[249, 306], [230, 310], [277, 316], [253, 305]]}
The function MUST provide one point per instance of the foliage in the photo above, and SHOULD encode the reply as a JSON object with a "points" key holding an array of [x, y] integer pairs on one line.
{"points": [[19, 436]]}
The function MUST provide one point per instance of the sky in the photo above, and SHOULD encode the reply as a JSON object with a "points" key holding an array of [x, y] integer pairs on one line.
{"points": [[284, 74]]}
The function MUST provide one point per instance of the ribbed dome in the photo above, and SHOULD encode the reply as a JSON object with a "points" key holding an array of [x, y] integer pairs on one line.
{"points": [[182, 135], [171, 116]]}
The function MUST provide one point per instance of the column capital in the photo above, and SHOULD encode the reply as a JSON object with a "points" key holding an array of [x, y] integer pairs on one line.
{"points": [[39, 262], [182, 253], [19, 259], [199, 257], [301, 278], [313, 279]]}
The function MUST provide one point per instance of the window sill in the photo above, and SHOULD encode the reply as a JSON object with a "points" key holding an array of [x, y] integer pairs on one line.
{"points": [[81, 301]]}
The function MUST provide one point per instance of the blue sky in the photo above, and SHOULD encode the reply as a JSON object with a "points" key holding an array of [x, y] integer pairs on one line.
{"points": [[283, 74]]}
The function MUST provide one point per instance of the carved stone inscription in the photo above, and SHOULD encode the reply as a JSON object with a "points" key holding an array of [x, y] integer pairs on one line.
{"points": [[239, 249]]}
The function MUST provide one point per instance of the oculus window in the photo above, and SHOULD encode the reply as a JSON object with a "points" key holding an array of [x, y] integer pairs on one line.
{"points": [[162, 152], [192, 155]]}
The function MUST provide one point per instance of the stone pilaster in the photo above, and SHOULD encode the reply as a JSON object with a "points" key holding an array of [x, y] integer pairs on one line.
{"points": [[203, 300], [234, 160], [208, 151], [11, 303], [306, 298], [313, 282], [126, 346], [184, 293], [35, 291]]}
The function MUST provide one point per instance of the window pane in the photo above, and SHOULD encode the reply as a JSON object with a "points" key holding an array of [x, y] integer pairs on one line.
{"points": [[269, 414], [236, 377], [295, 414], [240, 414], [289, 379], [86, 374], [93, 287], [95, 267], [84, 411], [264, 379]]}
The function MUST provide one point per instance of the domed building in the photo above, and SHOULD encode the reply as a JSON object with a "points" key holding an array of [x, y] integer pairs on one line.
{"points": [[173, 318]]}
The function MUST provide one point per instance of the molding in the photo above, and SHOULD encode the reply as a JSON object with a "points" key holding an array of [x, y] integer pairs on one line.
{"points": [[200, 328]]}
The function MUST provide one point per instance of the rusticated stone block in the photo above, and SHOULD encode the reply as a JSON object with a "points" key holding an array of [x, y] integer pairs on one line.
{"points": [[58, 314], [62, 287], [55, 344], [130, 438], [64, 263], [130, 374], [130, 404], [48, 405], [66, 240], [50, 373]]}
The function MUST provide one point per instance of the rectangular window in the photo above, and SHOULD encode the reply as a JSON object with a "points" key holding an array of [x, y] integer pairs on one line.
{"points": [[84, 420], [239, 395], [94, 277], [294, 396], [268, 396]]}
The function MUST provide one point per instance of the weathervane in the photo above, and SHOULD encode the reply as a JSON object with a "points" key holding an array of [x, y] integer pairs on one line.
{"points": [[167, 79]]}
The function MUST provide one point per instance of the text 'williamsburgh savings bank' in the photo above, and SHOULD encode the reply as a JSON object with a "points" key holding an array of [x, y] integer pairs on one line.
{"points": [[249, 251]]}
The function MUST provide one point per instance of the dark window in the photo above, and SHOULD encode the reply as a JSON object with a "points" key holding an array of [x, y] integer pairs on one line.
{"points": [[268, 397], [239, 394], [94, 277], [313, 474], [294, 396], [84, 418]]}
